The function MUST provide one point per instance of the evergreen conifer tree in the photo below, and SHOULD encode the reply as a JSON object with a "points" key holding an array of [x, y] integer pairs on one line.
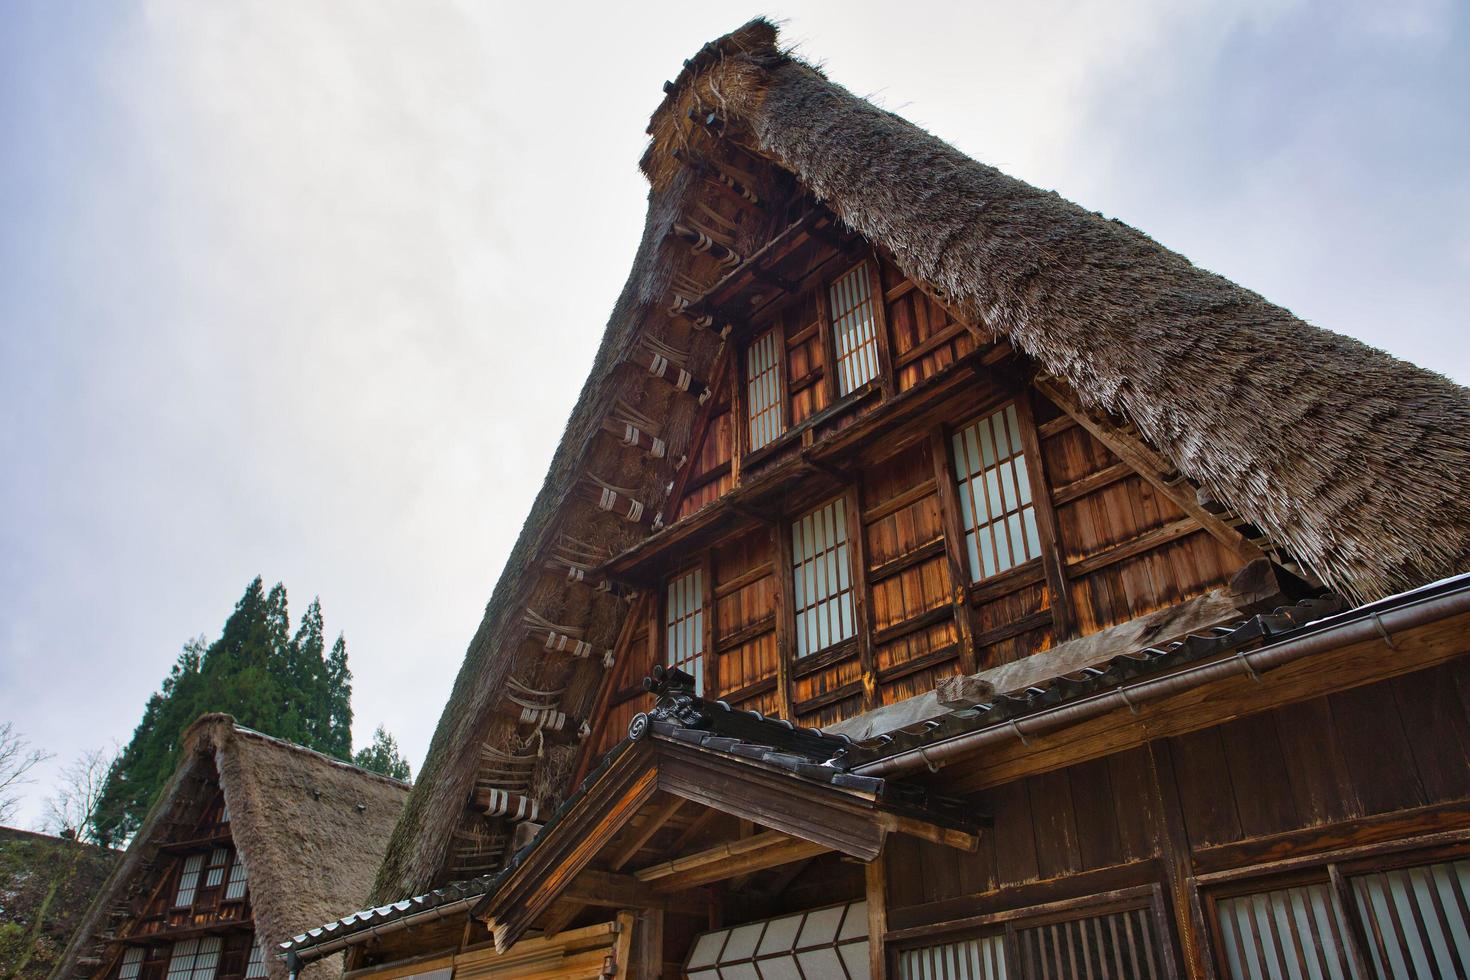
{"points": [[382, 756], [271, 681]]}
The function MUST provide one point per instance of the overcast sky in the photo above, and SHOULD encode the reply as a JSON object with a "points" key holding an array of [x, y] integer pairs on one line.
{"points": [[307, 289]]}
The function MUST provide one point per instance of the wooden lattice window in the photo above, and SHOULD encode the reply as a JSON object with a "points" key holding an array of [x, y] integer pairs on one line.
{"points": [[1356, 922], [763, 388], [1120, 936], [189, 880], [995, 494], [195, 959], [981, 958], [684, 625], [1283, 932], [1417, 919], [132, 963], [1120, 944], [239, 880], [854, 329], [255, 967], [214, 871], [822, 578]]}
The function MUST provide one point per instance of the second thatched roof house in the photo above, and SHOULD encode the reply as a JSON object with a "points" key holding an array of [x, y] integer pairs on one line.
{"points": [[251, 840]]}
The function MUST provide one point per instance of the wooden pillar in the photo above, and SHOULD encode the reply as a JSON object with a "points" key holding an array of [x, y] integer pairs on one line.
{"points": [[877, 883], [739, 422], [862, 615], [1064, 622], [785, 613], [954, 549], [648, 945], [1173, 841], [886, 378], [623, 945]]}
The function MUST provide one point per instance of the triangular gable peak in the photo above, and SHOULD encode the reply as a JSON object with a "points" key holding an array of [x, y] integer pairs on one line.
{"points": [[1240, 428], [251, 840]]}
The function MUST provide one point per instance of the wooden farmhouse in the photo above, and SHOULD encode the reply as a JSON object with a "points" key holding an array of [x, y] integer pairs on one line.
{"points": [[939, 580], [252, 839]]}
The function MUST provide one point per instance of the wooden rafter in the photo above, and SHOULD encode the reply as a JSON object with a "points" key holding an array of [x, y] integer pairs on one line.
{"points": [[1151, 466], [727, 860]]}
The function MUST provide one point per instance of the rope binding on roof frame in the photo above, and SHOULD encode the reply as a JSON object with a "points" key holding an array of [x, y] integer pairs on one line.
{"points": [[562, 639], [635, 430], [670, 364]]}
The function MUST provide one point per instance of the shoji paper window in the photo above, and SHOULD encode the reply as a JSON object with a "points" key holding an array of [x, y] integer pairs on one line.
{"points": [[824, 944], [189, 880], [763, 388], [822, 578], [1416, 920], [995, 495], [219, 860], [194, 959], [968, 959], [132, 963], [255, 969], [684, 625], [1290, 932], [854, 330], [235, 890]]}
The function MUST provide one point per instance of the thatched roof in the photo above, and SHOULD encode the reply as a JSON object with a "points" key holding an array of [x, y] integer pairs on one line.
{"points": [[310, 829], [1352, 460]]}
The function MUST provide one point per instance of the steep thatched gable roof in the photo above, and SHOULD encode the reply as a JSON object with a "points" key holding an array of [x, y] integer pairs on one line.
{"points": [[1351, 459], [309, 828]]}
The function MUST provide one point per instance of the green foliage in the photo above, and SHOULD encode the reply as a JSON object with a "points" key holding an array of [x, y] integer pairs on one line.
{"points": [[382, 756], [282, 685]]}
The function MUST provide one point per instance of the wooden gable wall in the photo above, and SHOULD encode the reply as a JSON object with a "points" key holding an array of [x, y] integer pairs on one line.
{"points": [[1119, 548]]}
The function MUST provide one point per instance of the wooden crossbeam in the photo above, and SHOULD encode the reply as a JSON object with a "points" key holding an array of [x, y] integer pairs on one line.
{"points": [[608, 890], [1152, 466], [727, 860], [651, 825]]}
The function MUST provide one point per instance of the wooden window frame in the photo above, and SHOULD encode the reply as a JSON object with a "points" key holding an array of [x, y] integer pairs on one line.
{"points": [[855, 581], [1149, 898], [882, 368], [707, 676], [1007, 408], [1335, 871], [781, 405]]}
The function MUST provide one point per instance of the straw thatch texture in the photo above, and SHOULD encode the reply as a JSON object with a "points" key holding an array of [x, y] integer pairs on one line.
{"points": [[1352, 460], [309, 827]]}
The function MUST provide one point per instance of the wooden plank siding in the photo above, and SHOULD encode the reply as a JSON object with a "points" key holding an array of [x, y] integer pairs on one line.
{"points": [[1114, 547], [1376, 776]]}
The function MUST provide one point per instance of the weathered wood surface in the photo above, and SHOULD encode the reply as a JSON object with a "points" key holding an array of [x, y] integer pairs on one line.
{"points": [[1218, 607]]}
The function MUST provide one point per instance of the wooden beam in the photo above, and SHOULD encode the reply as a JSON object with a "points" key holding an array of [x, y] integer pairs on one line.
{"points": [[875, 876], [933, 833], [1133, 547], [764, 850], [695, 828], [652, 824], [1152, 466], [1064, 620], [605, 889], [1353, 665], [1173, 842], [622, 946], [954, 548]]}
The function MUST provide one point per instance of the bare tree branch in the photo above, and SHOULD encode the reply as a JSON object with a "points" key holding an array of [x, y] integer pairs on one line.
{"points": [[72, 809], [17, 758]]}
